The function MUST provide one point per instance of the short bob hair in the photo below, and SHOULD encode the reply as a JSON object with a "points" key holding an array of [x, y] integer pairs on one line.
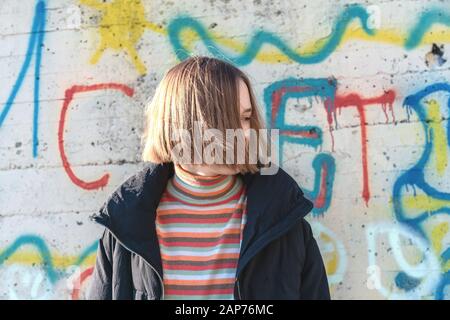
{"points": [[201, 90]]}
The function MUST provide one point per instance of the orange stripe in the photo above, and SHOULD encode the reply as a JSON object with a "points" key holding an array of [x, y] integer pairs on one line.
{"points": [[200, 282], [226, 187], [201, 258], [164, 212], [236, 230]]}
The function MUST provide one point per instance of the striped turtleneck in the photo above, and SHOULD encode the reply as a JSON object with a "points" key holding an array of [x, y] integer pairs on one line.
{"points": [[199, 223]]}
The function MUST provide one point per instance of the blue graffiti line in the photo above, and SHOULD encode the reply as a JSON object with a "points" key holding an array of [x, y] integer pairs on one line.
{"points": [[405, 281], [260, 38], [47, 260], [299, 88], [415, 176], [445, 280], [35, 44], [440, 290], [353, 12], [324, 89], [322, 160], [425, 23]]}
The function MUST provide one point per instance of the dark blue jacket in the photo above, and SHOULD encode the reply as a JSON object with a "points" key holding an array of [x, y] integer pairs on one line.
{"points": [[279, 257]]}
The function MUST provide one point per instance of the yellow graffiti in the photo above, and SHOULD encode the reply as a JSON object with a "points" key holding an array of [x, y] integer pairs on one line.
{"points": [[32, 258], [332, 257], [272, 56], [122, 25], [437, 236], [397, 38], [424, 203], [436, 133]]}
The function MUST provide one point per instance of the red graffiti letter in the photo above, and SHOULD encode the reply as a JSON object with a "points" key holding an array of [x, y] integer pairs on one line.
{"points": [[67, 100]]}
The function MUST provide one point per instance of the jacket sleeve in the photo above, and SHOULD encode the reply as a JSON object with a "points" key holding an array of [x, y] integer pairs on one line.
{"points": [[314, 282], [100, 287]]}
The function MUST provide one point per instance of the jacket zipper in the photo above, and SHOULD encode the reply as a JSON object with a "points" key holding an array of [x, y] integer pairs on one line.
{"points": [[238, 289], [154, 269]]}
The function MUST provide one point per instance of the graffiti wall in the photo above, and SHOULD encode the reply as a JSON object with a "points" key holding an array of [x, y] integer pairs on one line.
{"points": [[359, 91]]}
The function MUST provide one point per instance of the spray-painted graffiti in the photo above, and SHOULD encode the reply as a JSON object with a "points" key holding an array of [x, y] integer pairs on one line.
{"points": [[386, 99], [333, 252], [34, 274], [315, 52], [69, 96], [427, 200], [122, 24], [417, 280], [275, 97], [34, 49]]}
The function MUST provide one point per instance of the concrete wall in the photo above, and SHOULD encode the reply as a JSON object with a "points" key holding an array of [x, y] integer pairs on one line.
{"points": [[360, 91]]}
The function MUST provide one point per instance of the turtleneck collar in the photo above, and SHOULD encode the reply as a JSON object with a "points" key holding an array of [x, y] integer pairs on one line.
{"points": [[185, 184]]}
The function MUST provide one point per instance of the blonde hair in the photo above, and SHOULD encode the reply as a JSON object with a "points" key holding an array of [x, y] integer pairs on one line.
{"points": [[199, 89]]}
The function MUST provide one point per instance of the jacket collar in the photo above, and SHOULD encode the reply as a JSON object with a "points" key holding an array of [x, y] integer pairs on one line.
{"points": [[274, 204]]}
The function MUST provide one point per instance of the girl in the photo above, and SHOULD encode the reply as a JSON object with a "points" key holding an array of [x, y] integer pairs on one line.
{"points": [[184, 229]]}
